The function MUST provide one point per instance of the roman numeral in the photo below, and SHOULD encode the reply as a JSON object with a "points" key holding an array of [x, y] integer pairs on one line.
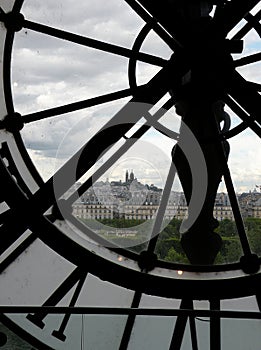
{"points": [[13, 196], [180, 327], [77, 277], [12, 168]]}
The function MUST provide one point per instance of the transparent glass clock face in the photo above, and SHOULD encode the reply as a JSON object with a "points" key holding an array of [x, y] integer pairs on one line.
{"points": [[68, 110], [62, 72], [95, 102]]}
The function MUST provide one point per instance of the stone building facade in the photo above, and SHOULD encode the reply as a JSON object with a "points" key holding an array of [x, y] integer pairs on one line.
{"points": [[130, 199]]}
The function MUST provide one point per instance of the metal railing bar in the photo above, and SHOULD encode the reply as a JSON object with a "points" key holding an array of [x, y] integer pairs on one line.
{"points": [[162, 33], [130, 311], [93, 43], [75, 106], [248, 59], [247, 27]]}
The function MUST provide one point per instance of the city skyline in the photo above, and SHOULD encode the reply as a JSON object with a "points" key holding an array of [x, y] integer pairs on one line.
{"points": [[127, 198], [121, 178]]}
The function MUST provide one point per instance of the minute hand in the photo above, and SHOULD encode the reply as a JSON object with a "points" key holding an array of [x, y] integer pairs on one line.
{"points": [[232, 13]]}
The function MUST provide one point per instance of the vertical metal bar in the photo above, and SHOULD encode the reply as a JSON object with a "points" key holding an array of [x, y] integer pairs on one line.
{"points": [[130, 322], [162, 208], [232, 196], [236, 211], [258, 298], [193, 332], [215, 326], [180, 326]]}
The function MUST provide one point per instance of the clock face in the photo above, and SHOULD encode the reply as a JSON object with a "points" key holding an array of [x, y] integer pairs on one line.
{"points": [[88, 91]]}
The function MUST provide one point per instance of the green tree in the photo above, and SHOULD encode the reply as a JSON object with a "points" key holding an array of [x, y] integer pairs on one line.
{"points": [[175, 257], [253, 227], [227, 228], [163, 246], [254, 237], [219, 259], [253, 224], [231, 250]]}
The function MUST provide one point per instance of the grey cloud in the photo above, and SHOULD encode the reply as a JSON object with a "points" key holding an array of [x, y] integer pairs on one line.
{"points": [[40, 62], [83, 17], [64, 64], [75, 12], [51, 72]]}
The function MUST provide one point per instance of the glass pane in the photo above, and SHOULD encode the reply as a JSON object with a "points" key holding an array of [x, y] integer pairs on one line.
{"points": [[104, 332], [101, 293], [241, 334], [152, 333], [203, 333], [149, 301], [240, 304], [100, 332]]}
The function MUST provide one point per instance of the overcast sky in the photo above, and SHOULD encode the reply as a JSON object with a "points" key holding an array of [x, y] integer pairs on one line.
{"points": [[48, 72]]}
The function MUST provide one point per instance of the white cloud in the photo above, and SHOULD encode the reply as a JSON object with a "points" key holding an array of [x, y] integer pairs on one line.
{"points": [[244, 160]]}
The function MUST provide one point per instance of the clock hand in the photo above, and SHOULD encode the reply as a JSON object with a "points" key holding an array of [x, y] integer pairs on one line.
{"points": [[86, 157], [246, 96], [228, 16]]}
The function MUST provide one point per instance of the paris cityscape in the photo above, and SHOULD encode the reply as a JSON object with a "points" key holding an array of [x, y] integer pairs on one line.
{"points": [[128, 198], [123, 212]]}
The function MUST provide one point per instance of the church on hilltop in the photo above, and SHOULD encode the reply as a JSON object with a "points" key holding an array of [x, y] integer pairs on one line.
{"points": [[129, 177]]}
